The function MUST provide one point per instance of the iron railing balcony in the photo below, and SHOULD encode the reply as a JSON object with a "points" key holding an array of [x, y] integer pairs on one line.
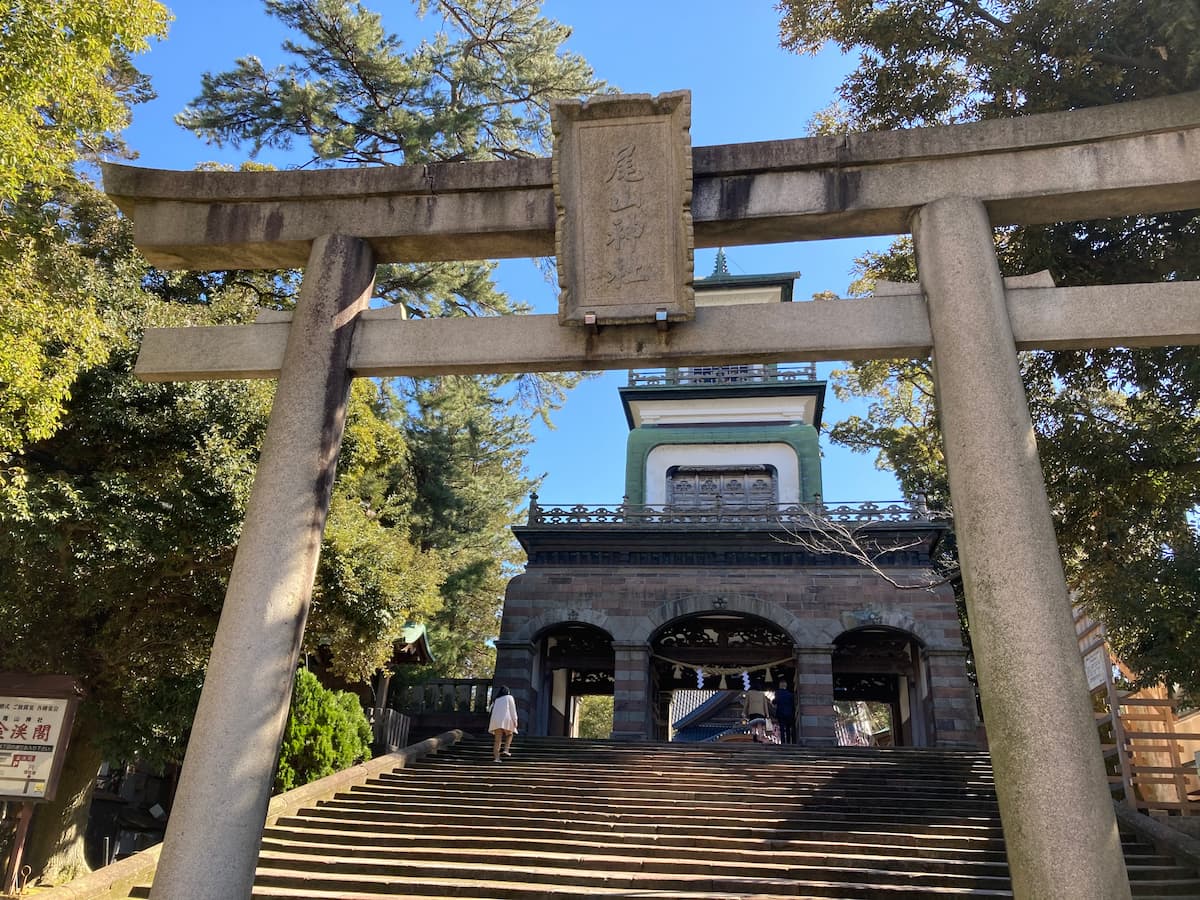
{"points": [[798, 516], [697, 376]]}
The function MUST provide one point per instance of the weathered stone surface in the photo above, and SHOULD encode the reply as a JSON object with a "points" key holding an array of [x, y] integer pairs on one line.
{"points": [[243, 708], [622, 190], [1128, 315], [1058, 821], [1132, 157]]}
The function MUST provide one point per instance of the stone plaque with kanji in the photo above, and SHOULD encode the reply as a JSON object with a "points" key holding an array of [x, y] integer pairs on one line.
{"points": [[623, 191]]}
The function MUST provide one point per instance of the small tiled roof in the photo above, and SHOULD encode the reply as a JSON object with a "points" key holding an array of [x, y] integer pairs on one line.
{"points": [[413, 648]]}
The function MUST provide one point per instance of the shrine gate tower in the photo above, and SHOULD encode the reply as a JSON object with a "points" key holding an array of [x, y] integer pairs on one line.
{"points": [[725, 558]]}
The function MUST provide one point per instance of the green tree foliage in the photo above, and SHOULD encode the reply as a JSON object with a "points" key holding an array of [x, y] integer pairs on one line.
{"points": [[66, 80], [351, 92], [479, 90], [1119, 430], [596, 717], [374, 576], [467, 484], [118, 530], [326, 732], [67, 83]]}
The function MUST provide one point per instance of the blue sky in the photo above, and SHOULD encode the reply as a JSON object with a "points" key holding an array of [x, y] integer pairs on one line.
{"points": [[744, 88]]}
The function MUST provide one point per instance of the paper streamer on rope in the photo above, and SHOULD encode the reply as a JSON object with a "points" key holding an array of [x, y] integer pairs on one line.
{"points": [[745, 681], [730, 670]]}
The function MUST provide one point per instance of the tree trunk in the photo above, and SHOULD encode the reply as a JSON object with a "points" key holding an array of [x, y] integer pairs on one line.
{"points": [[54, 849]]}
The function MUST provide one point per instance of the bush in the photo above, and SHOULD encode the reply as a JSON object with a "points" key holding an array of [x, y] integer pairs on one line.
{"points": [[326, 732]]}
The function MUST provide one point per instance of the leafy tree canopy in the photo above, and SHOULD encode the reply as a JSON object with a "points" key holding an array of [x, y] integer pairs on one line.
{"points": [[353, 92], [67, 83], [1119, 430], [122, 505], [928, 62]]}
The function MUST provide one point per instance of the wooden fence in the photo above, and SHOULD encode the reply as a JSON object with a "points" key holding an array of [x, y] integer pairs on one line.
{"points": [[389, 730]]}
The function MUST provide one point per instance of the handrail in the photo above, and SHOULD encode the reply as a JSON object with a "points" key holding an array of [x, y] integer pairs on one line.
{"points": [[797, 516]]}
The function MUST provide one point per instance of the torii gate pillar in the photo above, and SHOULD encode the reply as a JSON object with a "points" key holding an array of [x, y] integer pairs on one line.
{"points": [[244, 703], [1058, 817]]}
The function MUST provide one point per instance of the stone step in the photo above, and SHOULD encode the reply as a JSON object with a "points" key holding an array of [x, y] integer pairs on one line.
{"points": [[482, 890], [927, 763], [831, 855], [520, 790], [625, 843], [930, 770], [515, 791], [668, 817], [522, 878], [564, 819], [335, 841], [616, 777], [764, 838], [567, 854]]}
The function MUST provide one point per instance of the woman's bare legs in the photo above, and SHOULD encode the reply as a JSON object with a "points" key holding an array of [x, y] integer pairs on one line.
{"points": [[499, 736]]}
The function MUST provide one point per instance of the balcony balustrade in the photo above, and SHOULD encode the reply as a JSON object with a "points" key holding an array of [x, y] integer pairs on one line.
{"points": [[696, 376], [793, 516]]}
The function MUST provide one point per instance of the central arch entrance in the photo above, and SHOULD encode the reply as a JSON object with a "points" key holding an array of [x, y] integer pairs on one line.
{"points": [[694, 657]]}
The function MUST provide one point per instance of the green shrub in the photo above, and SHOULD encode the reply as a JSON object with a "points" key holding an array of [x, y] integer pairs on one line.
{"points": [[326, 732]]}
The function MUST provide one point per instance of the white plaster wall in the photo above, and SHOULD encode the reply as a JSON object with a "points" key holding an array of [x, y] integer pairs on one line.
{"points": [[779, 455]]}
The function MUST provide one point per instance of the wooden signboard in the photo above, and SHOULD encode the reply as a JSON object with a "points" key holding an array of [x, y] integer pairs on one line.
{"points": [[36, 715]]}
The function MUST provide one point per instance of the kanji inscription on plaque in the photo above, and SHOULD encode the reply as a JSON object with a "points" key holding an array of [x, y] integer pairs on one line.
{"points": [[623, 189]]}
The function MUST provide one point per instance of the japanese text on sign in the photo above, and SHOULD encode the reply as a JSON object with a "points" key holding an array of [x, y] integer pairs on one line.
{"points": [[30, 730]]}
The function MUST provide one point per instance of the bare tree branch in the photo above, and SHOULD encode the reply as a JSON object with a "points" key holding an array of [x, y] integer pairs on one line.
{"points": [[864, 543]]}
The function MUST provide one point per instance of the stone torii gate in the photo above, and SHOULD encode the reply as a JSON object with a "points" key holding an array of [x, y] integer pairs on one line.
{"points": [[948, 186]]}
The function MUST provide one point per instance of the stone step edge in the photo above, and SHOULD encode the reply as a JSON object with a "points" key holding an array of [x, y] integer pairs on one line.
{"points": [[601, 863], [668, 844], [735, 885], [655, 817], [518, 830]]}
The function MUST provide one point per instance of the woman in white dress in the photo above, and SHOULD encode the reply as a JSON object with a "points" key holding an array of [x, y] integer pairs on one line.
{"points": [[503, 723]]}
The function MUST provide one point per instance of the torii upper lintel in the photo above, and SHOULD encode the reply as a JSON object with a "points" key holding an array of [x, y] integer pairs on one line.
{"points": [[1093, 163]]}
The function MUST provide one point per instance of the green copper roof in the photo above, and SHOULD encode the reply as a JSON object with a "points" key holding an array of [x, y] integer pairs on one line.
{"points": [[721, 277], [720, 267]]}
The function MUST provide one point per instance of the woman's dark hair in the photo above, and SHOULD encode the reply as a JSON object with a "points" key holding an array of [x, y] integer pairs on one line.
{"points": [[502, 691]]}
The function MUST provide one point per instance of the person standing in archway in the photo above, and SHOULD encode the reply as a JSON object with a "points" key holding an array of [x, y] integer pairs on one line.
{"points": [[756, 711], [503, 724], [785, 711]]}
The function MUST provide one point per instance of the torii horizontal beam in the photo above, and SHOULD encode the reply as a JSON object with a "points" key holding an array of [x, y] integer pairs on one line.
{"points": [[1092, 163], [891, 327]]}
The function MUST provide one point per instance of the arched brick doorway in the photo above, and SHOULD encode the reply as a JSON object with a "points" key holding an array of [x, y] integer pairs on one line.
{"points": [[881, 689], [576, 660]]}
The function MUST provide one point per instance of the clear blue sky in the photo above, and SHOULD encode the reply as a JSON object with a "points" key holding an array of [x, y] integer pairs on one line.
{"points": [[744, 88]]}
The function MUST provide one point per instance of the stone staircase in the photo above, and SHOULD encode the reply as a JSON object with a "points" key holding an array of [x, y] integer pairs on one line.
{"points": [[575, 819]]}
